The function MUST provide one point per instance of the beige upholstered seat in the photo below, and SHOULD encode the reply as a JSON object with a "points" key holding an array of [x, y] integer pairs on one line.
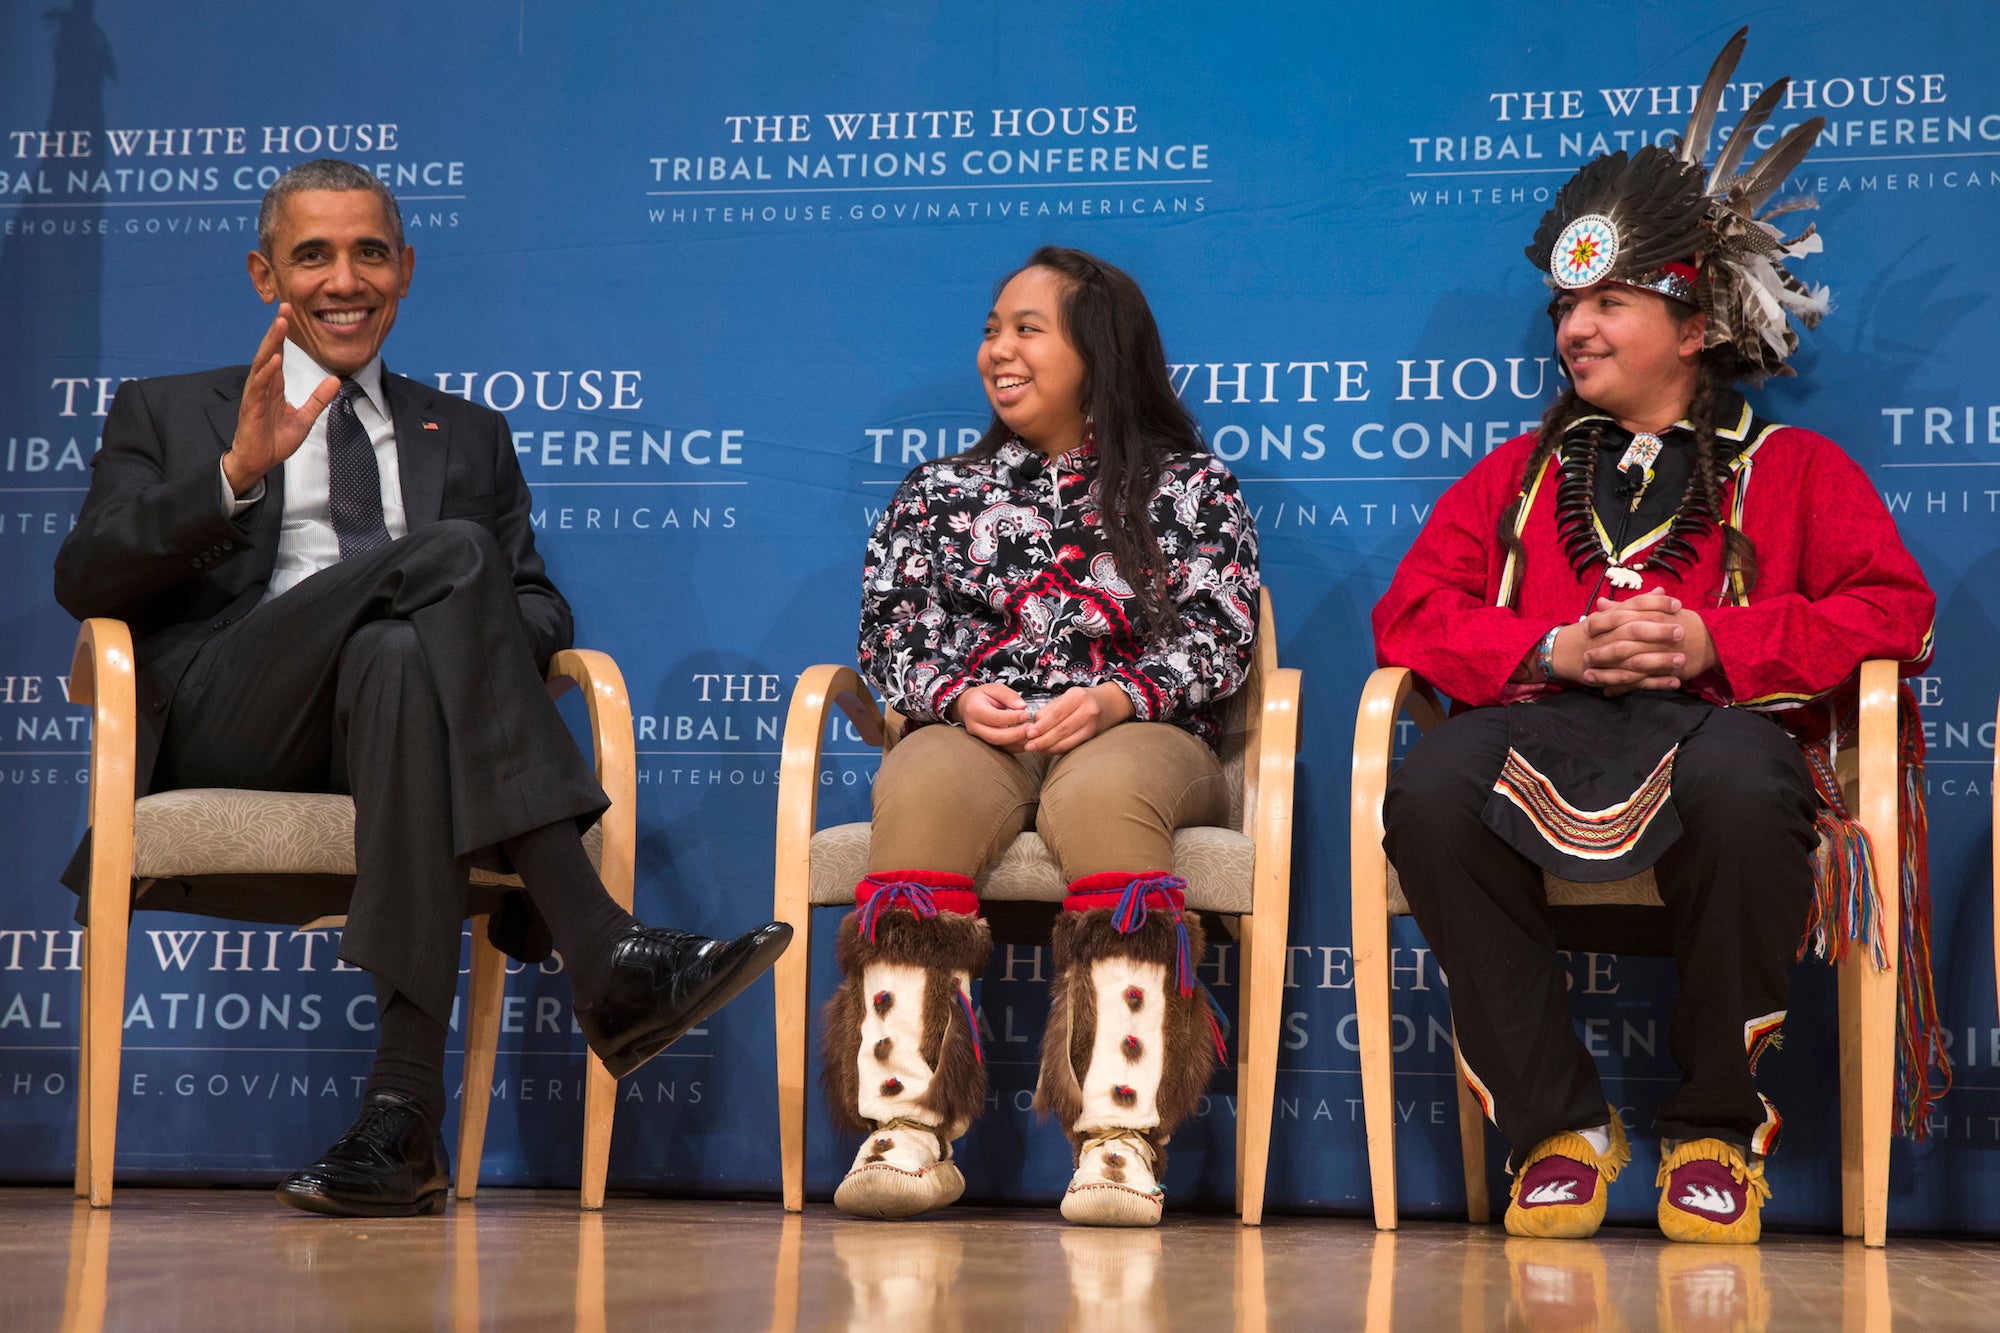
{"points": [[226, 831], [1867, 995], [1633, 891], [227, 852], [1216, 862], [1242, 871], [221, 852]]}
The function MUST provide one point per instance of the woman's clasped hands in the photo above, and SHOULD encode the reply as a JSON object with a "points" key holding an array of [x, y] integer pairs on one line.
{"points": [[998, 715]]}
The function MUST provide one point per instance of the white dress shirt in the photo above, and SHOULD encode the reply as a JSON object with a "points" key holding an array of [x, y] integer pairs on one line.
{"points": [[306, 543]]}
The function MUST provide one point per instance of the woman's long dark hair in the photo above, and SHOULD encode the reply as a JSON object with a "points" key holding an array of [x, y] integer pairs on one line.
{"points": [[1136, 417], [1716, 371]]}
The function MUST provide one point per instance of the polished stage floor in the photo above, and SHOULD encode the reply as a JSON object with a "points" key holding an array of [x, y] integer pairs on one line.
{"points": [[235, 1259]]}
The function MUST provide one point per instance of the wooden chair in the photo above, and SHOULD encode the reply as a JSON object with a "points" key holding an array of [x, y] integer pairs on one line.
{"points": [[1868, 776], [1243, 871], [178, 838]]}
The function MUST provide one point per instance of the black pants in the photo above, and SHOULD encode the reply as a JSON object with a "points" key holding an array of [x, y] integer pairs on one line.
{"points": [[404, 678], [1736, 885]]}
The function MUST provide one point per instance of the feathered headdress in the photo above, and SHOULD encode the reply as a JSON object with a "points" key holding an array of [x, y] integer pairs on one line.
{"points": [[1655, 219]]}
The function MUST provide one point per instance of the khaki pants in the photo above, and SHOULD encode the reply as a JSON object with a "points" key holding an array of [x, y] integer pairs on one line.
{"points": [[947, 801]]}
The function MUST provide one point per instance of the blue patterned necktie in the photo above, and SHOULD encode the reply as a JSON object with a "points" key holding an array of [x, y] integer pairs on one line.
{"points": [[354, 483]]}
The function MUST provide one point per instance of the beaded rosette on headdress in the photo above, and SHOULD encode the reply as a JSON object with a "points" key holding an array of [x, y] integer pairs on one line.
{"points": [[1655, 219]]}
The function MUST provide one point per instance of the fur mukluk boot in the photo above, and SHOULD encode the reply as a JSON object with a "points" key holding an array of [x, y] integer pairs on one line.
{"points": [[1130, 1043], [900, 1050]]}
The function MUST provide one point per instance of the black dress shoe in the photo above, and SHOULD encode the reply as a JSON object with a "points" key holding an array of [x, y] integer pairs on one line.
{"points": [[662, 982], [390, 1163]]}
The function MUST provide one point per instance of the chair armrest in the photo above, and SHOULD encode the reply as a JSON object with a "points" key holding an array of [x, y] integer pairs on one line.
{"points": [[104, 675], [1880, 783], [1277, 765], [609, 708], [1263, 661], [820, 689], [860, 708], [1391, 692]]}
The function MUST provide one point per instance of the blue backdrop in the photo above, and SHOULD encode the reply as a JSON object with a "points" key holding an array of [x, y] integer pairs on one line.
{"points": [[724, 267]]}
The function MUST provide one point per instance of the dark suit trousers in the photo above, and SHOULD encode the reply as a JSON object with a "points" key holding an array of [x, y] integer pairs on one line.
{"points": [[1736, 885], [404, 678]]}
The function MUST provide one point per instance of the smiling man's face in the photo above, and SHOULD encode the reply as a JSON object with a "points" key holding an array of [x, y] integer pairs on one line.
{"points": [[334, 258]]}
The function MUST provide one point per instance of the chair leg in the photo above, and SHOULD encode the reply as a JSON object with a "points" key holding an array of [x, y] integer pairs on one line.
{"points": [[1264, 1013], [83, 1078], [1245, 969], [790, 978], [104, 964], [1852, 1098], [1471, 1142], [1373, 1016], [1878, 1066], [600, 1106], [482, 1042]]}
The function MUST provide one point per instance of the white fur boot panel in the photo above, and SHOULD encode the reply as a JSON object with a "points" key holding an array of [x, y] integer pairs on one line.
{"points": [[905, 1166], [1115, 1184]]}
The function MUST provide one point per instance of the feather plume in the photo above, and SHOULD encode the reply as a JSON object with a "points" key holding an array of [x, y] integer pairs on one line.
{"points": [[1742, 136], [1652, 198], [1666, 209], [1762, 179], [1694, 142]]}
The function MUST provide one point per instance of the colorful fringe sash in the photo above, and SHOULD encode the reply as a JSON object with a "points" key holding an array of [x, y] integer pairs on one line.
{"points": [[1847, 909]]}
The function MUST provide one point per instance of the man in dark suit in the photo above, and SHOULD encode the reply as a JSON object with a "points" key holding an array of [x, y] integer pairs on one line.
{"points": [[333, 585]]}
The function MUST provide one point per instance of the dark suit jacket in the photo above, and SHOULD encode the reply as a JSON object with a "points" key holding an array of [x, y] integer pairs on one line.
{"points": [[152, 547]]}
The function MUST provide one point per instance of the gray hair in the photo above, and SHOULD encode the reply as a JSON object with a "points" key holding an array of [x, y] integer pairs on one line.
{"points": [[325, 173]]}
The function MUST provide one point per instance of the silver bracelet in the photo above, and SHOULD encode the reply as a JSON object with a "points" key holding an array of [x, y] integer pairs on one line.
{"points": [[1545, 655]]}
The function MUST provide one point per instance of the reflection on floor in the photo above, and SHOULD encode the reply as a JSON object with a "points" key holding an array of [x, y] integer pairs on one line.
{"points": [[229, 1259]]}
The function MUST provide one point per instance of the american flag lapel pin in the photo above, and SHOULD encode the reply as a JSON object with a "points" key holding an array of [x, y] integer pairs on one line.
{"points": [[430, 425]]}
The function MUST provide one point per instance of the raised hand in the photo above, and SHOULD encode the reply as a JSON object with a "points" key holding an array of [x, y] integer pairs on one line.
{"points": [[268, 429]]}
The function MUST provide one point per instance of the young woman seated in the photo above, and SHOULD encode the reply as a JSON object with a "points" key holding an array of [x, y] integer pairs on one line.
{"points": [[1057, 613]]}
